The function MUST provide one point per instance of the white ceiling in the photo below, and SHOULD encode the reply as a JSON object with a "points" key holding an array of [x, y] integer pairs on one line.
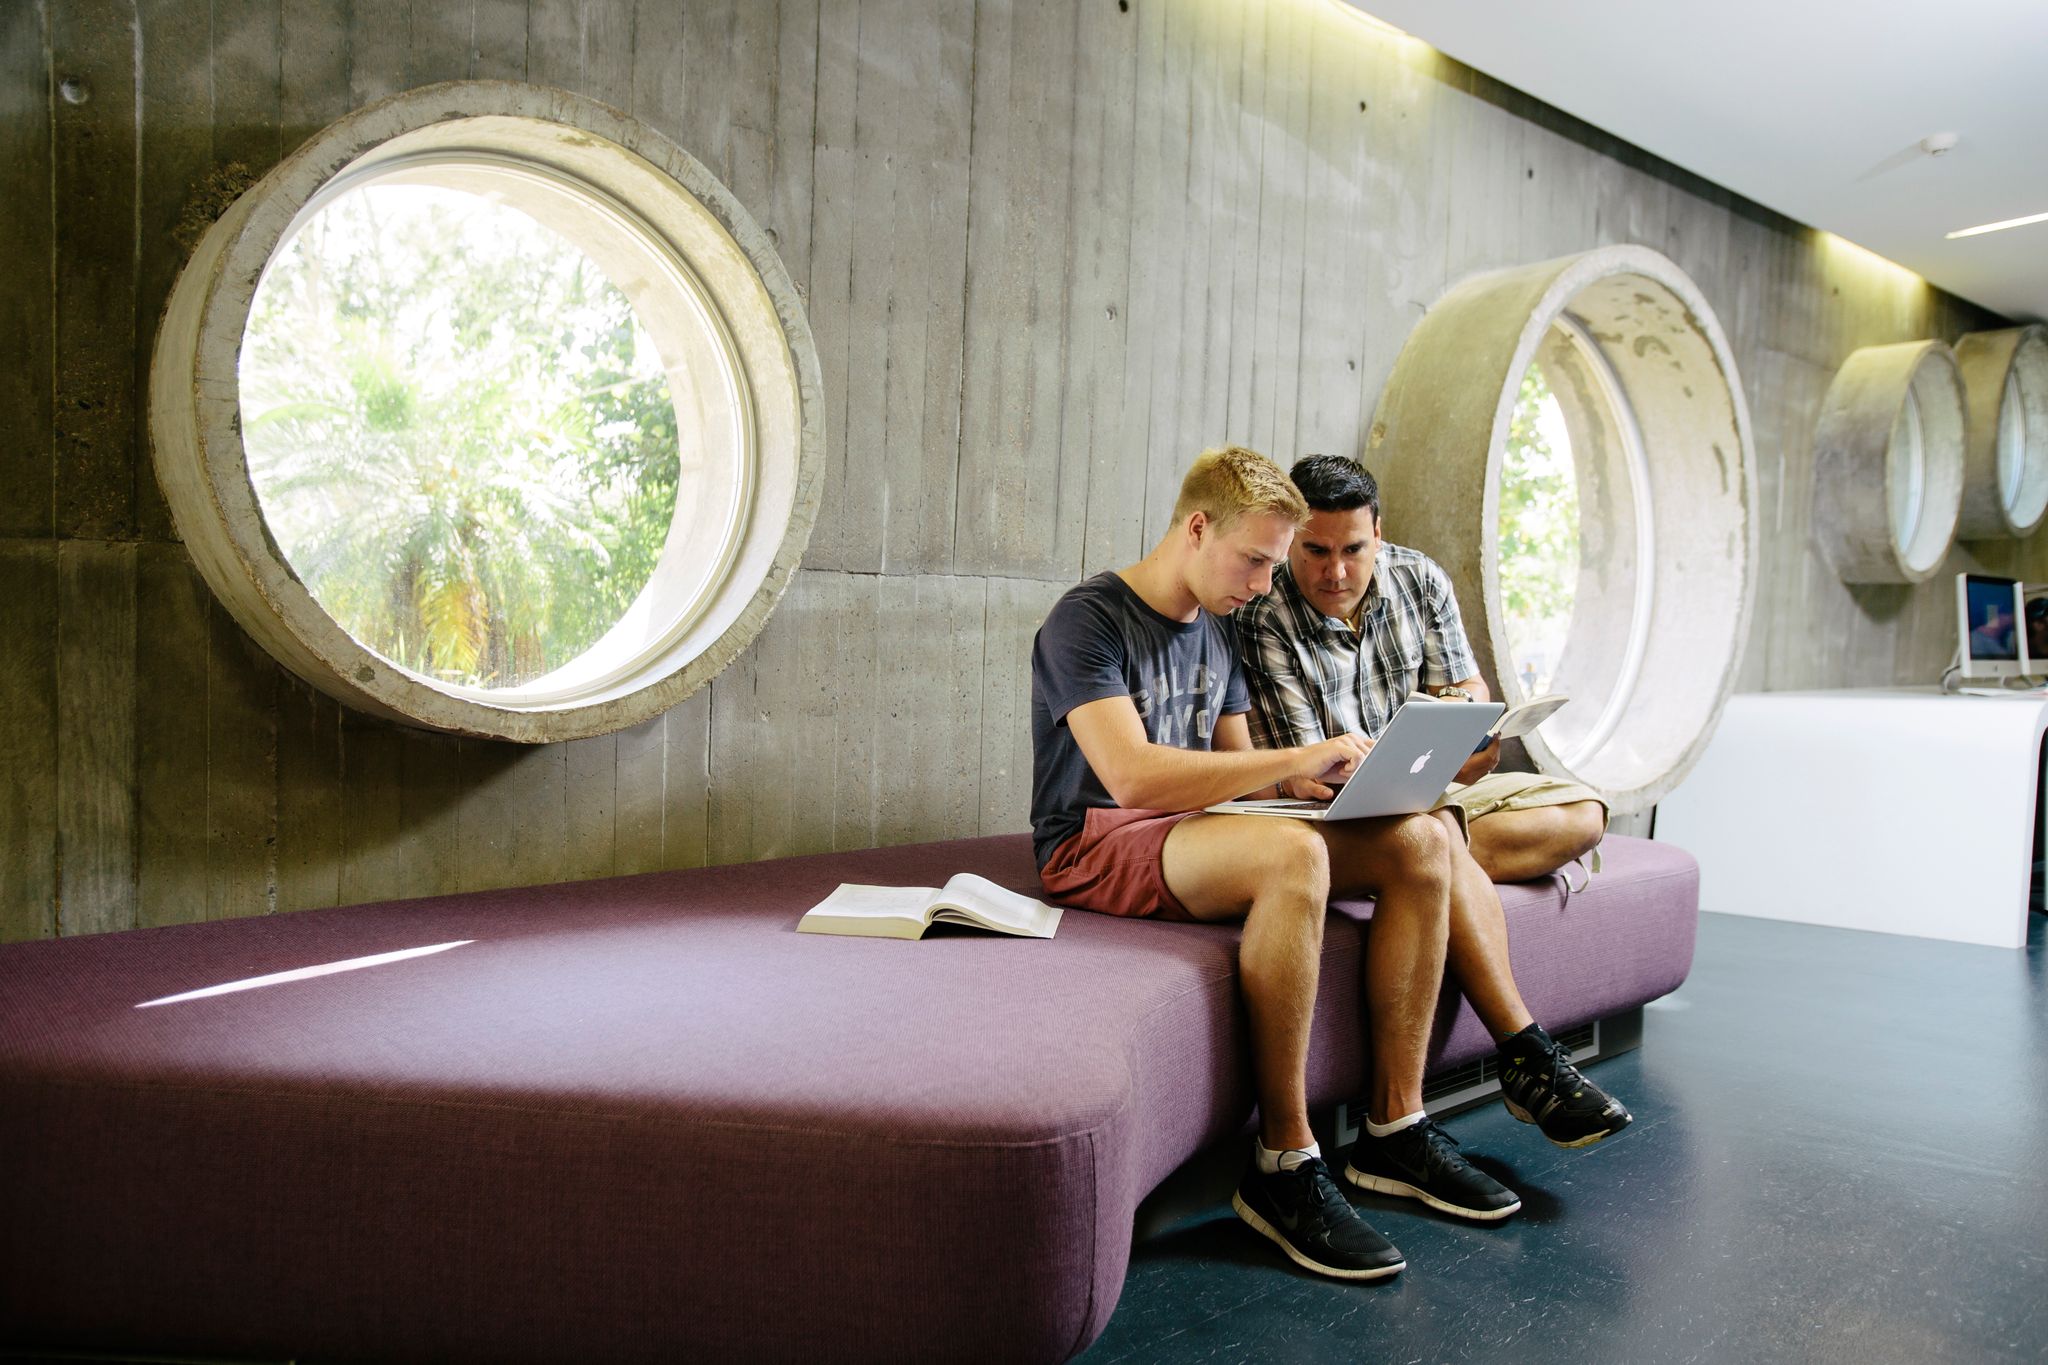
{"points": [[1809, 107]]}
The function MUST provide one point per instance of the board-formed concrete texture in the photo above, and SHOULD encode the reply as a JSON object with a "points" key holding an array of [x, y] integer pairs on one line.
{"points": [[2005, 454], [719, 299], [1663, 609], [1888, 463], [1034, 300]]}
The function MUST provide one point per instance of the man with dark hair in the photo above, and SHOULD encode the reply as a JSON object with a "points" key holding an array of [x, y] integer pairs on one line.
{"points": [[1351, 627], [1137, 723]]}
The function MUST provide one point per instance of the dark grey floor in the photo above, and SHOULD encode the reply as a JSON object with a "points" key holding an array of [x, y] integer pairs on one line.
{"points": [[1840, 1154]]}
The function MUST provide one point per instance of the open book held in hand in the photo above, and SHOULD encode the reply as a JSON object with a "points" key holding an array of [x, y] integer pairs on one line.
{"points": [[907, 911], [1516, 721]]}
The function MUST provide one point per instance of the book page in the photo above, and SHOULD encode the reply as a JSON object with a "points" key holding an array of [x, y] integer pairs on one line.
{"points": [[852, 898], [1516, 721], [981, 901], [854, 905], [1520, 720]]}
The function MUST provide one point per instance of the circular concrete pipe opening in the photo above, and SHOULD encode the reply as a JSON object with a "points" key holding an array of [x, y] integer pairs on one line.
{"points": [[534, 465], [2005, 460], [1888, 463], [1636, 388]]}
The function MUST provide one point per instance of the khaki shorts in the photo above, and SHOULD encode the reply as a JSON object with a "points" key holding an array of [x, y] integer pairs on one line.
{"points": [[1497, 792]]}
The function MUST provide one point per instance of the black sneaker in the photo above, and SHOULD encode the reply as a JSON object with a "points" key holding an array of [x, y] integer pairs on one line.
{"points": [[1422, 1161], [1539, 1085], [1309, 1218]]}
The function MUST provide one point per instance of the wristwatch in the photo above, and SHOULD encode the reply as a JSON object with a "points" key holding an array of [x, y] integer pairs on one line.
{"points": [[1460, 693]]}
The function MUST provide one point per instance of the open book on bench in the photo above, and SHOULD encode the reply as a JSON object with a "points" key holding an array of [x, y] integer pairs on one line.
{"points": [[907, 911]]}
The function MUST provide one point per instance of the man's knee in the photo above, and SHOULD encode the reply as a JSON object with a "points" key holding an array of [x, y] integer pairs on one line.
{"points": [[1422, 850], [1295, 856], [1584, 826]]}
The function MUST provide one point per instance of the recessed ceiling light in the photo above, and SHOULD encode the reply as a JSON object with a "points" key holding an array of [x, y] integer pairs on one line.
{"points": [[2000, 227]]}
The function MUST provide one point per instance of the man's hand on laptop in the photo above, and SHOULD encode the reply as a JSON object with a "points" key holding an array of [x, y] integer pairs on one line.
{"points": [[1306, 789], [1333, 760]]}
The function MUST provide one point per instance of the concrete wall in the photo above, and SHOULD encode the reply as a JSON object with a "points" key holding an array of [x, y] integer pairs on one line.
{"points": [[1050, 250]]}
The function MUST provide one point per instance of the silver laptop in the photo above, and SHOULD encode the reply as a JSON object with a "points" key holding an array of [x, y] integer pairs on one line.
{"points": [[1417, 756]]}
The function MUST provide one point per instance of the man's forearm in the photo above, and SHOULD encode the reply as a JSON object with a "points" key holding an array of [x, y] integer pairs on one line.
{"points": [[1166, 778]]}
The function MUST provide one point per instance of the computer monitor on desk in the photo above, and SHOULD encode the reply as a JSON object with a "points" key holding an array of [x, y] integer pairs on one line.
{"points": [[2035, 624], [1989, 611]]}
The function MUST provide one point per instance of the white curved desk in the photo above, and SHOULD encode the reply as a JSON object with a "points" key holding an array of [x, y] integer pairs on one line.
{"points": [[1899, 810]]}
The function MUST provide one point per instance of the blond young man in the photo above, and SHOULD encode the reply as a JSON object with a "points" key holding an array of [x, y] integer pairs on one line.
{"points": [[1138, 723]]}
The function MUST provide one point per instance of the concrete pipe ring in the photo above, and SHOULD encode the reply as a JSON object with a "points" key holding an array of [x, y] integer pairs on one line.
{"points": [[1589, 405], [1888, 463], [410, 535], [2005, 457]]}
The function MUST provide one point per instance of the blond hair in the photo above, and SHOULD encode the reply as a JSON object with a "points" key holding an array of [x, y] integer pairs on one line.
{"points": [[1230, 481]]}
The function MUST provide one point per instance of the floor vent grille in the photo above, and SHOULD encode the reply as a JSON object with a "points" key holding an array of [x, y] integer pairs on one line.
{"points": [[1475, 1080]]}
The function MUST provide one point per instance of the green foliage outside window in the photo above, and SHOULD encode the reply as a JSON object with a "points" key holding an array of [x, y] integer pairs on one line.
{"points": [[463, 440], [1539, 532]]}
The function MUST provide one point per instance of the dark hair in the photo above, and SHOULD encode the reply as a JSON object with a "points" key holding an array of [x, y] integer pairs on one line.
{"points": [[1332, 483]]}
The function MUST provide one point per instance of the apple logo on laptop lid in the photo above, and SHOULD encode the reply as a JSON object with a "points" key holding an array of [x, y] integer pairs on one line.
{"points": [[1422, 762]]}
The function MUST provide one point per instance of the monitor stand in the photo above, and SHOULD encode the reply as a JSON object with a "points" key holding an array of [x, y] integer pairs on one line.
{"points": [[2033, 693]]}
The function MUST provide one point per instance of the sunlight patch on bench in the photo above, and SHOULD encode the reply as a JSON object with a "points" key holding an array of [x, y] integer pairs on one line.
{"points": [[305, 973]]}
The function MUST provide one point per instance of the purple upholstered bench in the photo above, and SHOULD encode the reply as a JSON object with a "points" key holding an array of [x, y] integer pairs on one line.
{"points": [[644, 1119]]}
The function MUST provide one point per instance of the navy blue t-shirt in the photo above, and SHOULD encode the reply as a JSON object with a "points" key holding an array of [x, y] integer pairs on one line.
{"points": [[1101, 640]]}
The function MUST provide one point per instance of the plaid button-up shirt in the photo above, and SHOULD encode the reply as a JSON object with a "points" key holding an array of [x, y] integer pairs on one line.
{"points": [[1312, 676]]}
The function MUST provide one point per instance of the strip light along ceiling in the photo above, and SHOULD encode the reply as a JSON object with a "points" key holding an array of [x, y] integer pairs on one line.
{"points": [[2000, 227]]}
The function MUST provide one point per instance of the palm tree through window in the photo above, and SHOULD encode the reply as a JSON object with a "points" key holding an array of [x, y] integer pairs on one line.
{"points": [[464, 440]]}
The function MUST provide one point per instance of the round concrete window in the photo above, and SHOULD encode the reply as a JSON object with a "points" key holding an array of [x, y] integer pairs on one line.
{"points": [[1569, 441], [2005, 464], [491, 411], [1888, 463], [1575, 590]]}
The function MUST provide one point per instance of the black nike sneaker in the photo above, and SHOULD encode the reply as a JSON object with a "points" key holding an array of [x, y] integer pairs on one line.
{"points": [[1539, 1085], [1422, 1161], [1308, 1217]]}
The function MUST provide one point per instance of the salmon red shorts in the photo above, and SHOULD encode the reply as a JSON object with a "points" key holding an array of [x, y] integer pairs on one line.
{"points": [[1112, 864]]}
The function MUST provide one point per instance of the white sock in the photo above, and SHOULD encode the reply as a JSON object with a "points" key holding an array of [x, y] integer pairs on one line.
{"points": [[1389, 1129], [1271, 1163]]}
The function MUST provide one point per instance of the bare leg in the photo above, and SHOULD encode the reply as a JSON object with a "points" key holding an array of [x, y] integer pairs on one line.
{"points": [[1273, 874], [1405, 863], [1478, 947], [1518, 845]]}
